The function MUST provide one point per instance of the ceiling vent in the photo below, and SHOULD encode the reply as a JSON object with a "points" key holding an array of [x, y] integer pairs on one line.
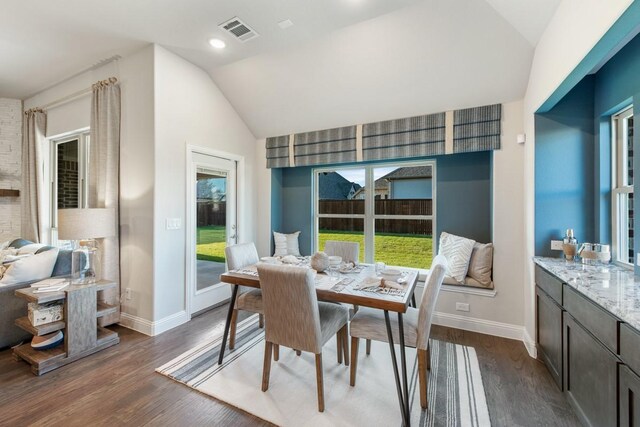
{"points": [[239, 29]]}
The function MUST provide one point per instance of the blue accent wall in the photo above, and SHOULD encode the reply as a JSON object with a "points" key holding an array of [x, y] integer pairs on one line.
{"points": [[463, 204], [564, 169]]}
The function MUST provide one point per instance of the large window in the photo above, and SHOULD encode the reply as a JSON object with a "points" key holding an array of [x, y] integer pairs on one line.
{"points": [[622, 192], [388, 208], [68, 176]]}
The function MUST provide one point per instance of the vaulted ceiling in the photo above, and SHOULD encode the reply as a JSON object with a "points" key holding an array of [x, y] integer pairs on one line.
{"points": [[342, 61]]}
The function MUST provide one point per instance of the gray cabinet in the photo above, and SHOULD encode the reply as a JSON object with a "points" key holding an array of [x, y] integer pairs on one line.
{"points": [[549, 333], [629, 402], [590, 376]]}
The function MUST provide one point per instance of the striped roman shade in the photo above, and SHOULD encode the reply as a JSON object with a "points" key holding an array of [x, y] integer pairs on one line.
{"points": [[411, 137], [477, 129], [278, 152], [325, 147]]}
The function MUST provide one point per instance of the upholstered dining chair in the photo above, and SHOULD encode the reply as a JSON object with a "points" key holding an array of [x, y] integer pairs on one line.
{"points": [[369, 324], [295, 318], [349, 251], [248, 299]]}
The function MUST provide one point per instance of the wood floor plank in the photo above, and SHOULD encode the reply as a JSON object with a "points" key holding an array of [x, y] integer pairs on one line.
{"points": [[118, 386]]}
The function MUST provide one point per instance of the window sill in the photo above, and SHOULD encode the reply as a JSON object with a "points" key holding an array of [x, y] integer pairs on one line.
{"points": [[488, 293]]}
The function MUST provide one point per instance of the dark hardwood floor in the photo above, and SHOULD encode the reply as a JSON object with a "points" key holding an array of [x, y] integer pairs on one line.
{"points": [[118, 386]]}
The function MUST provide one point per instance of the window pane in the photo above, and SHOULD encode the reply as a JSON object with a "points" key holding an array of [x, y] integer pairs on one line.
{"points": [[67, 175], [405, 243], [341, 192], [625, 227], [343, 229], [403, 190], [630, 250], [629, 148]]}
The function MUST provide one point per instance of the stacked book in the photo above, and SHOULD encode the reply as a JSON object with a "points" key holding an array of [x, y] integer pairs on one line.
{"points": [[50, 285]]}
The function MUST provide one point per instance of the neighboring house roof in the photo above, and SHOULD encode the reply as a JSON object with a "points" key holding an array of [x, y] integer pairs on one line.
{"points": [[333, 186], [408, 173]]}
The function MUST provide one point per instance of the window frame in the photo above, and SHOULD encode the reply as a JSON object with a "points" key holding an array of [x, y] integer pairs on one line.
{"points": [[51, 196], [619, 184], [369, 217]]}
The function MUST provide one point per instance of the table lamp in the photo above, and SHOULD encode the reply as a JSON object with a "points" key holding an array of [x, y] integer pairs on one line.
{"points": [[83, 227]]}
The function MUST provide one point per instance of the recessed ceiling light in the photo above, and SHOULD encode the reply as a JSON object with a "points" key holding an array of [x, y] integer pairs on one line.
{"points": [[217, 43], [285, 24]]}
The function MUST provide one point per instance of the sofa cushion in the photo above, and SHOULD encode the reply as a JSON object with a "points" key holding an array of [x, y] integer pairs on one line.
{"points": [[18, 243], [457, 250], [35, 267], [286, 244], [32, 248]]}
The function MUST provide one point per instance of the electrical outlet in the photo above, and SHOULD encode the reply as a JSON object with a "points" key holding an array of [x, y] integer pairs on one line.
{"points": [[128, 294], [556, 245], [462, 306], [174, 223]]}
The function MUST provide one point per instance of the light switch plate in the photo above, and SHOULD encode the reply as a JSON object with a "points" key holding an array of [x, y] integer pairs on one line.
{"points": [[556, 245]]}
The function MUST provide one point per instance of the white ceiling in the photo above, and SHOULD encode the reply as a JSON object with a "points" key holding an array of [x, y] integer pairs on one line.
{"points": [[343, 61]]}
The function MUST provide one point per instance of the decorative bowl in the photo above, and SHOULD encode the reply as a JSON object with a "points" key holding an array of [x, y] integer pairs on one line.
{"points": [[335, 261], [391, 274]]}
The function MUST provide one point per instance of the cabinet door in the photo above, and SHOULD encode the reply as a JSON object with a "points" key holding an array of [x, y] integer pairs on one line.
{"points": [[629, 402], [590, 376], [549, 333]]}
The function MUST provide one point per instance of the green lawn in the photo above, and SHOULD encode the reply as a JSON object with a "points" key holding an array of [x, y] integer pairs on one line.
{"points": [[406, 250], [210, 243]]}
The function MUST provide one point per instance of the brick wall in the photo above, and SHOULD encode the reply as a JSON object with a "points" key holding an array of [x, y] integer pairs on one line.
{"points": [[10, 166]]}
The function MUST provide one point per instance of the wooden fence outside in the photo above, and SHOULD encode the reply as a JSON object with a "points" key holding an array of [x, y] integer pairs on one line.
{"points": [[382, 207], [211, 213]]}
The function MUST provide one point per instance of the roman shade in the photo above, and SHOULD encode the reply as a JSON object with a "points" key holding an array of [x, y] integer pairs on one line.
{"points": [[411, 137], [325, 146], [477, 129], [278, 152], [451, 132]]}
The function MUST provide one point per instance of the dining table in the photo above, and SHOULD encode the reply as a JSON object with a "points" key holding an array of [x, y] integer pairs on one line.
{"points": [[344, 286]]}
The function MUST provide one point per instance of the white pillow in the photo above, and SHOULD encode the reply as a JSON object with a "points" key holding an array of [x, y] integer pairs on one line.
{"points": [[286, 244], [457, 250], [35, 267], [31, 248], [5, 245]]}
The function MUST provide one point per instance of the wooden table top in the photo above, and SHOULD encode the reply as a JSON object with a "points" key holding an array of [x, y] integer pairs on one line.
{"points": [[348, 295]]}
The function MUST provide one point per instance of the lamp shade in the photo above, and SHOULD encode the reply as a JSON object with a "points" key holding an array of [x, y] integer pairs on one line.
{"points": [[78, 224]]}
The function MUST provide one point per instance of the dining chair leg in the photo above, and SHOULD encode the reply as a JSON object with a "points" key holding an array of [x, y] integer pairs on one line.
{"points": [[368, 347], [261, 320], [345, 344], [320, 382], [276, 352], [423, 357], [428, 357], [266, 369], [232, 331], [339, 346], [355, 343]]}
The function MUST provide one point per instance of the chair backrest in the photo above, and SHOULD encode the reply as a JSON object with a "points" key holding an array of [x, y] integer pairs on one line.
{"points": [[349, 251], [291, 316], [429, 299], [241, 255]]}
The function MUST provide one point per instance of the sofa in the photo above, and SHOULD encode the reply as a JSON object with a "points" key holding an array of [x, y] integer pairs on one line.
{"points": [[12, 307]]}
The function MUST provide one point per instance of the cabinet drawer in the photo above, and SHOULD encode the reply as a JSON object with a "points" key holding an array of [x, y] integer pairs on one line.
{"points": [[629, 402], [549, 283], [590, 376], [549, 334], [597, 321], [630, 346]]}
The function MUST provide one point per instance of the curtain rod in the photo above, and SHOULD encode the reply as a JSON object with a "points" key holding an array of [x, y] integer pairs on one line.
{"points": [[78, 94]]}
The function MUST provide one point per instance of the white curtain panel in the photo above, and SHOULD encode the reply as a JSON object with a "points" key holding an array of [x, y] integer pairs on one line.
{"points": [[104, 179], [34, 126]]}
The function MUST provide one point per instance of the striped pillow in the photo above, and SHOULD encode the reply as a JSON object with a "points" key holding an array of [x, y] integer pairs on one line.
{"points": [[457, 250]]}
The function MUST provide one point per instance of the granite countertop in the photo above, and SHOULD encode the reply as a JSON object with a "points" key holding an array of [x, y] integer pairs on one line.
{"points": [[614, 288]]}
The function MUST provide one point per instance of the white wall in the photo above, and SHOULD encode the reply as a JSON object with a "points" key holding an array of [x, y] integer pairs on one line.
{"points": [[135, 74], [190, 109], [575, 28], [10, 166]]}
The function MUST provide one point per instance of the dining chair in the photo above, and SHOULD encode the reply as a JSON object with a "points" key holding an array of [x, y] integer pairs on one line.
{"points": [[370, 325], [248, 299], [295, 318], [349, 251]]}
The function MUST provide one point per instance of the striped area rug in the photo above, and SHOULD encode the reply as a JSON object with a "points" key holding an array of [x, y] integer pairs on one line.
{"points": [[455, 391]]}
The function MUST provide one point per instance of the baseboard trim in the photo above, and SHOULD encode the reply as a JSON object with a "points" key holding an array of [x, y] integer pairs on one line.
{"points": [[530, 344], [489, 327], [150, 328]]}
